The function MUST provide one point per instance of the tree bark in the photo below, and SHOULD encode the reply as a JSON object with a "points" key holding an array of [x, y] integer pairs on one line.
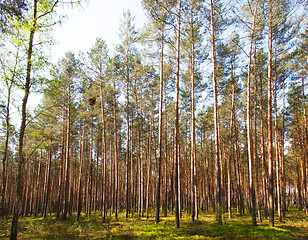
{"points": [[263, 162], [115, 145], [283, 175], [67, 155], [161, 86], [194, 210], [47, 190], [104, 152], [218, 203], [231, 141], [5, 154], [127, 146], [21, 160], [177, 135], [269, 123], [79, 204], [252, 196], [278, 191], [305, 149]]}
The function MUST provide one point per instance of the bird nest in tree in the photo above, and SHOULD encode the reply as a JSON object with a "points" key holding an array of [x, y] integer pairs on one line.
{"points": [[92, 101]]}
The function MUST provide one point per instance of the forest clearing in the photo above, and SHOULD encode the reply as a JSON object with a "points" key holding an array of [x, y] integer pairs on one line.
{"points": [[193, 119], [295, 227]]}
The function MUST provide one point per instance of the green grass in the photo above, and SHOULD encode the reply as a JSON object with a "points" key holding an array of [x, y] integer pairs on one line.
{"points": [[294, 226]]}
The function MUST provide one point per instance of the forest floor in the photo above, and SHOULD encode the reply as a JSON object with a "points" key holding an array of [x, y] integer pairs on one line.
{"points": [[294, 226]]}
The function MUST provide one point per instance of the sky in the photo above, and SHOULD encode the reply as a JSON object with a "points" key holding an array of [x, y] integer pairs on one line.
{"points": [[97, 18]]}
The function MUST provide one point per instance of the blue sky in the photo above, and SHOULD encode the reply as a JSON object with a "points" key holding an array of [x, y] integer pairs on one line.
{"points": [[97, 18]]}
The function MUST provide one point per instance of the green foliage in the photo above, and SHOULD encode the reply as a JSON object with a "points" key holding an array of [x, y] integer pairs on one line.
{"points": [[294, 227]]}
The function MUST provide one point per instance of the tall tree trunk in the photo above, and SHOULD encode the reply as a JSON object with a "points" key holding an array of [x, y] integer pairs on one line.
{"points": [[269, 123], [21, 160], [166, 155], [305, 148], [278, 192], [218, 203], [139, 160], [149, 157], [115, 145], [79, 204], [47, 190], [67, 155], [5, 154], [127, 147], [90, 167], [252, 197], [257, 162], [177, 129], [283, 175], [26, 188], [37, 189], [303, 163], [62, 169], [161, 86], [194, 209], [104, 153], [231, 141], [264, 166]]}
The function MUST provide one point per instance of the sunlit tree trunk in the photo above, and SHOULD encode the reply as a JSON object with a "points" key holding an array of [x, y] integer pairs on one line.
{"points": [[61, 177], [283, 175], [127, 147], [79, 204], [218, 203], [47, 184], [257, 163], [231, 141], [252, 197], [149, 157], [194, 206], [5, 153], [160, 153], [67, 155], [305, 140], [177, 129], [37, 189], [278, 192], [166, 175], [269, 123], [115, 146], [263, 162], [104, 152]]}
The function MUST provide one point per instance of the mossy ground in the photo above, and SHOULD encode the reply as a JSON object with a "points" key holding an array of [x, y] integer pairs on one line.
{"points": [[294, 226]]}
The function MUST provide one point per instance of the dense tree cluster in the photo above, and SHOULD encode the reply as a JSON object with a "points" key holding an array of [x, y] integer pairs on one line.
{"points": [[204, 109]]}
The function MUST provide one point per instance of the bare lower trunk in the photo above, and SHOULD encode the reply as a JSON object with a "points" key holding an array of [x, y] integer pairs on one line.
{"points": [[264, 166], [177, 135], [218, 203], [160, 129], [252, 196], [115, 145], [67, 157], [194, 209], [104, 154], [127, 149], [278, 192], [231, 141], [269, 123], [79, 206]]}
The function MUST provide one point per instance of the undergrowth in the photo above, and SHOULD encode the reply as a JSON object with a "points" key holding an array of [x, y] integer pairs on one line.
{"points": [[294, 226]]}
